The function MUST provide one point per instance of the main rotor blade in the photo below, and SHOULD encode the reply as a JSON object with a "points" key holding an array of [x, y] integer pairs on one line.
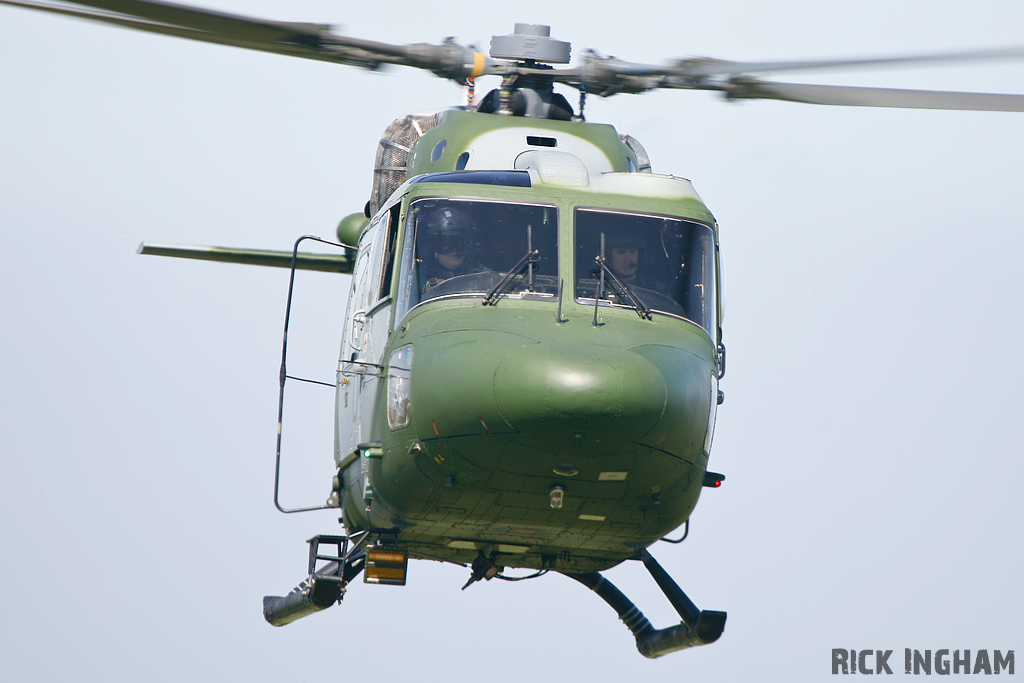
{"points": [[841, 95], [306, 40], [704, 67], [610, 75], [207, 20], [286, 48]]}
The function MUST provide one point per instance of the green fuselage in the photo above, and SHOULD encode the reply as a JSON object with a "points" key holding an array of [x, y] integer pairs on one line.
{"points": [[506, 403]]}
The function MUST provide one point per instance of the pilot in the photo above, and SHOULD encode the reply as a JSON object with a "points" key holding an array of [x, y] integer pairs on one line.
{"points": [[449, 237], [625, 254]]}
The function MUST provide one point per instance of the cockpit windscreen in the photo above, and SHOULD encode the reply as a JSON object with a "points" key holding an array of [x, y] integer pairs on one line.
{"points": [[660, 263], [469, 246]]}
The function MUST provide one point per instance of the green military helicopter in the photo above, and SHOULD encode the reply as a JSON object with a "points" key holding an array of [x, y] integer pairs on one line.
{"points": [[530, 364]]}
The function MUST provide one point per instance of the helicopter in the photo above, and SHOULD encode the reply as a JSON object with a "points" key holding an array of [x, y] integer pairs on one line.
{"points": [[612, 306]]}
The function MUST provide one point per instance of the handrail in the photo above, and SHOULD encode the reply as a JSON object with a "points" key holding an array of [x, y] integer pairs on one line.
{"points": [[284, 376]]}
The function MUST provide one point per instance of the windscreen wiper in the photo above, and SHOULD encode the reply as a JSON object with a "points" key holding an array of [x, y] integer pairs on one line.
{"points": [[529, 258], [624, 290]]}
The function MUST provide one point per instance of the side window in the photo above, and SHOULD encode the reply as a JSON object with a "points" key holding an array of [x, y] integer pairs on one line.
{"points": [[389, 253], [376, 248], [363, 269]]}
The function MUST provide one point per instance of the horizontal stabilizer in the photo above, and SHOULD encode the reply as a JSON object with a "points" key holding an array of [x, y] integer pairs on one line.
{"points": [[326, 263]]}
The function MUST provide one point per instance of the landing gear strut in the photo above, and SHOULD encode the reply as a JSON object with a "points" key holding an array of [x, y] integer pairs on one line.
{"points": [[697, 627]]}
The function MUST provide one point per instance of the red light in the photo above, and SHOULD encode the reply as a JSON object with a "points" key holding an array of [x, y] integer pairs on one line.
{"points": [[713, 480]]}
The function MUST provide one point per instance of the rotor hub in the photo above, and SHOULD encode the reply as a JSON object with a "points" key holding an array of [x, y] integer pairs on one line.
{"points": [[531, 42]]}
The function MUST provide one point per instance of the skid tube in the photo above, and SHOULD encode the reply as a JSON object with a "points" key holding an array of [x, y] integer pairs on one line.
{"points": [[697, 627]]}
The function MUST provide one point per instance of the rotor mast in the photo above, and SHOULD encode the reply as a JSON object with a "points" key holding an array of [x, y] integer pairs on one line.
{"points": [[527, 86]]}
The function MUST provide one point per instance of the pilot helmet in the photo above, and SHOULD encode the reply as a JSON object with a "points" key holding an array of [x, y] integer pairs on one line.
{"points": [[449, 230]]}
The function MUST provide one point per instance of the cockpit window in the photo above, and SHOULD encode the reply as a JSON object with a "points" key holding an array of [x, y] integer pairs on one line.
{"points": [[659, 263], [469, 246]]}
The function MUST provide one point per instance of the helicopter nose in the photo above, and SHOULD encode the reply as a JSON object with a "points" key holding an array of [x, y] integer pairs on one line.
{"points": [[604, 397]]}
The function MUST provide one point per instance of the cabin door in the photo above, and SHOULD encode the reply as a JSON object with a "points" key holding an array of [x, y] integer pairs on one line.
{"points": [[365, 336]]}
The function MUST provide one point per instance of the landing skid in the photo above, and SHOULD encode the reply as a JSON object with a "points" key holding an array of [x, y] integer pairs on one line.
{"points": [[697, 628]]}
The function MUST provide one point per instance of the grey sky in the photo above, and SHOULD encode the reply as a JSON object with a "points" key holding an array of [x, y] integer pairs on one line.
{"points": [[870, 434]]}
